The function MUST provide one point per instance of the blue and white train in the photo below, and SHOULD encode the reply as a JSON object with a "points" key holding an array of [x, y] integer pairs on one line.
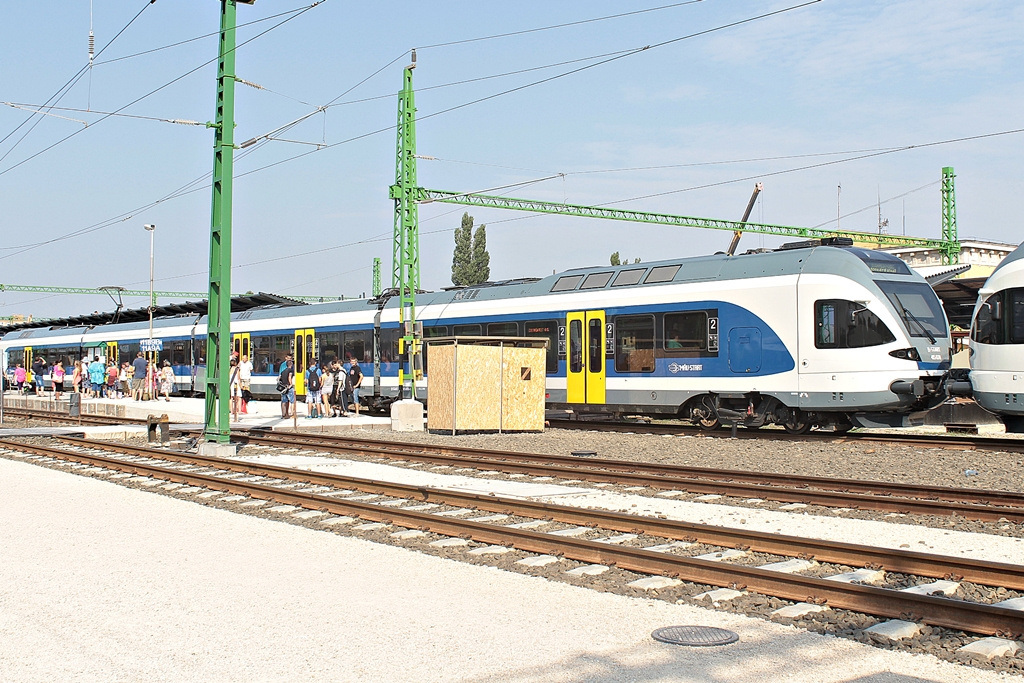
{"points": [[997, 343], [805, 336]]}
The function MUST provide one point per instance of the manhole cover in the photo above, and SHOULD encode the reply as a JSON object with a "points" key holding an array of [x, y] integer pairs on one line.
{"points": [[584, 454], [695, 636]]}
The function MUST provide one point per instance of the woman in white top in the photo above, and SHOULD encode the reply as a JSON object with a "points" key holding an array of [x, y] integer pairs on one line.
{"points": [[167, 380]]}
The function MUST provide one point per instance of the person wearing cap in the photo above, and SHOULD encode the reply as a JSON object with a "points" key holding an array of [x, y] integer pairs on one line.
{"points": [[167, 380]]}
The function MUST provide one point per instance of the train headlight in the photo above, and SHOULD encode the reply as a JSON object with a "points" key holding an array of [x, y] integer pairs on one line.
{"points": [[906, 354]]}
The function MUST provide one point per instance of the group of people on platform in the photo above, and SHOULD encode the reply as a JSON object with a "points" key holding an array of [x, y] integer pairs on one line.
{"points": [[140, 379], [331, 390]]}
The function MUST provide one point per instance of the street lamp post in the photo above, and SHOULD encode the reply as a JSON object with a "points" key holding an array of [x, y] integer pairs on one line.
{"points": [[151, 229]]}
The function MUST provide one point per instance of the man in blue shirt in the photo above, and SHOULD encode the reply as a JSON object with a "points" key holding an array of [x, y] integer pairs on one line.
{"points": [[139, 366]]}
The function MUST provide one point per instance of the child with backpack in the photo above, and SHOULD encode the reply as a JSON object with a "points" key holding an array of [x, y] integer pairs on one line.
{"points": [[313, 385]]}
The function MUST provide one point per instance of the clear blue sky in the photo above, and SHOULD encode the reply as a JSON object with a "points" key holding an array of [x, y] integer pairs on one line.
{"points": [[832, 79]]}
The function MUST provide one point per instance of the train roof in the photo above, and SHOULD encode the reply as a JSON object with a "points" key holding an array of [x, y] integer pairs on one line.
{"points": [[1015, 255]]}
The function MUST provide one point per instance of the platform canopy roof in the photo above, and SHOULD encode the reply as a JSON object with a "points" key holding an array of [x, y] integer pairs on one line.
{"points": [[197, 308]]}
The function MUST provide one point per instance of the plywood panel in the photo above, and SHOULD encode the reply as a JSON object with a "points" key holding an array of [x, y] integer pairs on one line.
{"points": [[523, 380], [441, 387], [478, 388]]}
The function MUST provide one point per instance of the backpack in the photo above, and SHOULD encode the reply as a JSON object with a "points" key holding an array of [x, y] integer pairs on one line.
{"points": [[313, 380], [282, 381]]}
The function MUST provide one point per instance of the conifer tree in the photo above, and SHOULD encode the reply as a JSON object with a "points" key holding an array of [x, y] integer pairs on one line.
{"points": [[462, 258], [481, 271]]}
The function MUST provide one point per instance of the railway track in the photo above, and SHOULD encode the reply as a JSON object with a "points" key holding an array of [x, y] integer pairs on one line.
{"points": [[948, 441], [63, 417], [978, 504], [408, 508]]}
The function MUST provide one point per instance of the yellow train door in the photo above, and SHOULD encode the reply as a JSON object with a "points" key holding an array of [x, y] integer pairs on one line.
{"points": [[305, 351], [112, 355], [241, 344], [585, 369]]}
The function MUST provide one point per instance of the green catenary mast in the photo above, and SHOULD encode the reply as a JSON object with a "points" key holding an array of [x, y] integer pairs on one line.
{"points": [[950, 238], [405, 275], [218, 332]]}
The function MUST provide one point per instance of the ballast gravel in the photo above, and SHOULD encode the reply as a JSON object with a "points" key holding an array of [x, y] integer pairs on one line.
{"points": [[101, 582]]}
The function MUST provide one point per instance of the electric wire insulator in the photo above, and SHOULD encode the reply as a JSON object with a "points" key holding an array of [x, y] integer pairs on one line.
{"points": [[92, 46]]}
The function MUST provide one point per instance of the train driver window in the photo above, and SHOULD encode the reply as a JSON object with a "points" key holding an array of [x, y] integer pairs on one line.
{"points": [[686, 332], [634, 343], [841, 324]]}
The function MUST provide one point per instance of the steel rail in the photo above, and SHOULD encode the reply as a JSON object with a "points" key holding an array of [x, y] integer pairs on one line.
{"points": [[967, 616], [627, 473], [979, 443], [1013, 498], [893, 560], [85, 418]]}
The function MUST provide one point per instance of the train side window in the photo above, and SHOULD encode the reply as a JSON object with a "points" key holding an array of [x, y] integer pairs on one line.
{"points": [[282, 347], [262, 354], [686, 332], [576, 346], [330, 346], [634, 343], [429, 333], [566, 283], [547, 329], [467, 330], [502, 329], [629, 277], [662, 274], [357, 345], [596, 280], [842, 324]]}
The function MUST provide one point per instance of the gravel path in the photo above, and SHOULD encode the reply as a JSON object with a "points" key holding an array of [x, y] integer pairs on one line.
{"points": [[103, 582]]}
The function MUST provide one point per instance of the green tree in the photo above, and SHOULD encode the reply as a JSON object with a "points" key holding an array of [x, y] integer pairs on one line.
{"points": [[617, 261], [481, 271], [462, 258]]}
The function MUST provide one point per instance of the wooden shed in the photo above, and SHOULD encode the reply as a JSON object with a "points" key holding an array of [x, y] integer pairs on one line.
{"points": [[491, 384]]}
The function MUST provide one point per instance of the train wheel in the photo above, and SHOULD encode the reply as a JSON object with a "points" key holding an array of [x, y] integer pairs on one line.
{"points": [[797, 423], [705, 415]]}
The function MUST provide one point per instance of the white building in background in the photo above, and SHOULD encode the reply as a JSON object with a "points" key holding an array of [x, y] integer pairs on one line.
{"points": [[982, 256]]}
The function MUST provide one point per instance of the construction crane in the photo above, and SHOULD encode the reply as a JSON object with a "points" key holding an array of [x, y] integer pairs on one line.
{"points": [[139, 292], [746, 214]]}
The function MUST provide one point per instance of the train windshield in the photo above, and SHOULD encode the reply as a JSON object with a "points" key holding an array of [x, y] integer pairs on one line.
{"points": [[918, 306]]}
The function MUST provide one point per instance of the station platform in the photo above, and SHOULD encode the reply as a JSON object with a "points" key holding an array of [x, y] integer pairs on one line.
{"points": [[182, 412], [103, 582]]}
